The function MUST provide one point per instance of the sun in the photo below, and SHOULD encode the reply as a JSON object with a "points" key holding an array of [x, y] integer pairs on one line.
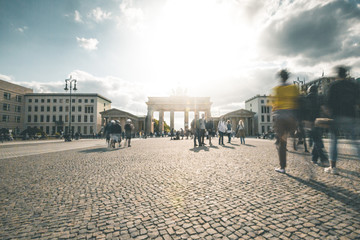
{"points": [[197, 41]]}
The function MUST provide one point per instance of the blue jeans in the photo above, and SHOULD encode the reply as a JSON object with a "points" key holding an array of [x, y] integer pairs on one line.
{"points": [[221, 138], [347, 126]]}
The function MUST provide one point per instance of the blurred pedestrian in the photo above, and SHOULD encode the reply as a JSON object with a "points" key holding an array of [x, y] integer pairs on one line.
{"points": [[228, 130], [313, 110], [202, 130], [241, 131], [343, 96], [285, 98], [221, 130], [210, 128], [115, 133], [128, 128]]}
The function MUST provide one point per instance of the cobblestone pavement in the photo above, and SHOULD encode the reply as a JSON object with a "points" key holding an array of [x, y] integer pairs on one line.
{"points": [[162, 189]]}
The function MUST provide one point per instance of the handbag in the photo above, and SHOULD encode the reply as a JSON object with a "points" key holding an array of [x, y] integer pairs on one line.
{"points": [[323, 122]]}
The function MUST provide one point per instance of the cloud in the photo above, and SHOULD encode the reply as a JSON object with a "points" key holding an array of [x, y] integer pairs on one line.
{"points": [[131, 17], [77, 17], [315, 33], [98, 15], [88, 44], [6, 78], [22, 29]]}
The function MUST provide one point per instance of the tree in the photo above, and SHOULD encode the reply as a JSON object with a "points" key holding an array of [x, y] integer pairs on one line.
{"points": [[156, 126]]}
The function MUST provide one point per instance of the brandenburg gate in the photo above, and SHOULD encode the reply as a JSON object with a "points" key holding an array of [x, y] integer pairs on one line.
{"points": [[175, 104]]}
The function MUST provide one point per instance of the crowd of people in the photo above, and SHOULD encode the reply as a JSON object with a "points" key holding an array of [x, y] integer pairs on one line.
{"points": [[292, 114], [336, 111]]}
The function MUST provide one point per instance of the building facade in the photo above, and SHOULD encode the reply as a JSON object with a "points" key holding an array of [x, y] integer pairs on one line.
{"points": [[12, 102], [51, 112], [261, 106]]}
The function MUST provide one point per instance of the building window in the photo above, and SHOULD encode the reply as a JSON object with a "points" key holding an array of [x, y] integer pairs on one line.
{"points": [[47, 118], [262, 101], [262, 129], [7, 96], [60, 100], [17, 109], [47, 130], [29, 118], [66, 118], [262, 118], [48, 100], [85, 129], [91, 130], [91, 118], [41, 118], [30, 100], [79, 118], [85, 118], [72, 118], [36, 108], [36, 100], [79, 108], [60, 118], [54, 118], [73, 108], [35, 118], [104, 104], [66, 108], [17, 119], [54, 100], [67, 100], [54, 108], [42, 108], [250, 105], [42, 100], [60, 108], [92, 100], [48, 108], [5, 118], [86, 100], [79, 129], [29, 108], [53, 130], [73, 100], [89, 109], [18, 98], [268, 118], [79, 100], [6, 107]]}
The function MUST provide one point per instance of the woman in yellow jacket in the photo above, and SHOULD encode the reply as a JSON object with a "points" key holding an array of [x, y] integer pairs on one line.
{"points": [[285, 104]]}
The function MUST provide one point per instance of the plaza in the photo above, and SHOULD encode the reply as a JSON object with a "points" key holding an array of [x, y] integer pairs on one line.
{"points": [[163, 189]]}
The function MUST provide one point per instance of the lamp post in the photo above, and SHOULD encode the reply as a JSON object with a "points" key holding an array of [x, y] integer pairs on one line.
{"points": [[71, 87]]}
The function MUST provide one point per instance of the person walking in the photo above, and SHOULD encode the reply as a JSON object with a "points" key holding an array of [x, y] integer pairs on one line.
{"points": [[210, 128], [313, 108], [343, 96], [115, 133], [228, 130], [202, 127], [285, 98], [221, 130], [128, 129], [241, 131], [195, 130]]}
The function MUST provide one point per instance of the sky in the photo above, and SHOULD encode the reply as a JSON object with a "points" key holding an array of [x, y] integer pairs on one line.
{"points": [[129, 50]]}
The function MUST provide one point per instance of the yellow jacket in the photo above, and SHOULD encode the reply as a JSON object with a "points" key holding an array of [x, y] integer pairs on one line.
{"points": [[285, 97]]}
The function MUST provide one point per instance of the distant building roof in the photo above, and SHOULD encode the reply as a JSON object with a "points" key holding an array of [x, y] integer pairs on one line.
{"points": [[67, 94]]}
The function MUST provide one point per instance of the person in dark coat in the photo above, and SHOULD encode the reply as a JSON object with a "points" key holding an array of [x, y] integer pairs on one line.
{"points": [[342, 100], [314, 103], [128, 128]]}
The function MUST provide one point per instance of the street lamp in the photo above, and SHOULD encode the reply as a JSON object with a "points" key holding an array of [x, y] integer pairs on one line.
{"points": [[70, 81]]}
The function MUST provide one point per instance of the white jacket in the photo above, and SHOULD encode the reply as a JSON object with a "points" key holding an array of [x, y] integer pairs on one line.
{"points": [[222, 126]]}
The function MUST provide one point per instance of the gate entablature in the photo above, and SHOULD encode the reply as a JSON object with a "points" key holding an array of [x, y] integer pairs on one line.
{"points": [[176, 104]]}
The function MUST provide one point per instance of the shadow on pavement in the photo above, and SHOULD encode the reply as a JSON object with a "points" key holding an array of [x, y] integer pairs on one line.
{"points": [[102, 149], [299, 153], [343, 195], [198, 149], [249, 145], [225, 146], [235, 144]]}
